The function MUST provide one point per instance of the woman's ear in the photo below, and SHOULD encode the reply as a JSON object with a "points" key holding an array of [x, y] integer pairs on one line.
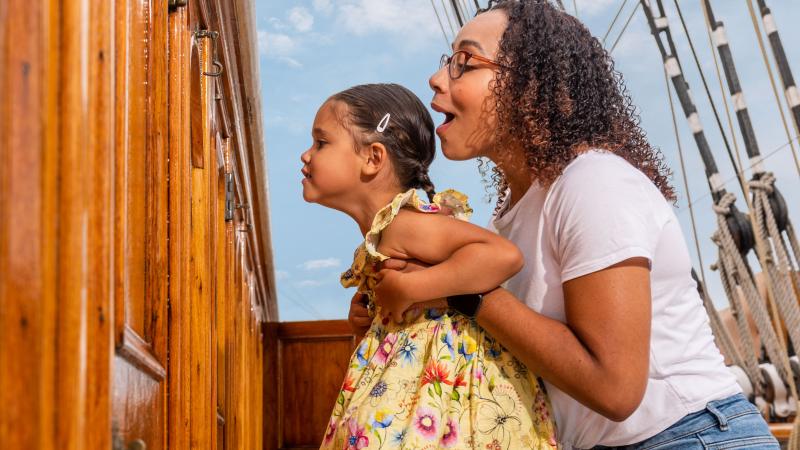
{"points": [[376, 157]]}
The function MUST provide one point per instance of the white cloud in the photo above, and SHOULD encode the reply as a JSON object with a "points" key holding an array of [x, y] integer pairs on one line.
{"points": [[413, 19], [301, 19], [309, 283], [321, 263], [275, 44], [323, 6], [278, 46], [589, 7], [281, 275], [276, 23]]}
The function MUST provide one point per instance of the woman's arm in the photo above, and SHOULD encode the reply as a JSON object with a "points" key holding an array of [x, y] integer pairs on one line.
{"points": [[600, 356], [465, 258]]}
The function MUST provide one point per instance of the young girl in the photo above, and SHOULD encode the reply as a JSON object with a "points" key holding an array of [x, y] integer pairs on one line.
{"points": [[431, 378]]}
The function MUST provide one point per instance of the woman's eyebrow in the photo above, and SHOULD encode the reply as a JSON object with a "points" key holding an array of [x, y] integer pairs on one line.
{"points": [[470, 43]]}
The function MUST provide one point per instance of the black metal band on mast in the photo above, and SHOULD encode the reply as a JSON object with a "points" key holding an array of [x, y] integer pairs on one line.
{"points": [[738, 224], [777, 202], [457, 12], [675, 72], [720, 39], [790, 89], [708, 94]]}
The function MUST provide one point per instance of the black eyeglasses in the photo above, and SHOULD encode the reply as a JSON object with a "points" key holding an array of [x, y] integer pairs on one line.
{"points": [[457, 62]]}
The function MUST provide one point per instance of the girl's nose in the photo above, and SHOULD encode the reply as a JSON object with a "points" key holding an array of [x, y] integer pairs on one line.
{"points": [[305, 157]]}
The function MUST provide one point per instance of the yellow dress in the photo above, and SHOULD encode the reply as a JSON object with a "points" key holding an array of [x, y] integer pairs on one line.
{"points": [[436, 381]]}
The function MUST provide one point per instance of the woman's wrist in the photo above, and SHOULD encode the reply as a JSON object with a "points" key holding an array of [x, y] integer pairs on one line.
{"points": [[468, 305], [488, 296]]}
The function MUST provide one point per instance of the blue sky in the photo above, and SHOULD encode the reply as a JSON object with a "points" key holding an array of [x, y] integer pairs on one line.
{"points": [[310, 49]]}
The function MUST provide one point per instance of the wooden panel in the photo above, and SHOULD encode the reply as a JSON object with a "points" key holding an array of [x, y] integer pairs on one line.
{"points": [[311, 362], [180, 43], [114, 250], [55, 226], [139, 393], [28, 166], [202, 425]]}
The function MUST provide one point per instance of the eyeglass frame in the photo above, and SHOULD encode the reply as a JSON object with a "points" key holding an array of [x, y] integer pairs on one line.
{"points": [[446, 59]]}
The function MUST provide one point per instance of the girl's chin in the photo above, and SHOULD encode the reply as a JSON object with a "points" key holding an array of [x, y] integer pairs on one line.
{"points": [[307, 195]]}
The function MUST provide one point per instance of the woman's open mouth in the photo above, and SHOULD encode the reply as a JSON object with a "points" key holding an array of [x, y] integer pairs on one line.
{"points": [[448, 119]]}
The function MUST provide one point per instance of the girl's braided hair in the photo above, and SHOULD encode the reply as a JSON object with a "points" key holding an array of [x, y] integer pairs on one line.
{"points": [[408, 137]]}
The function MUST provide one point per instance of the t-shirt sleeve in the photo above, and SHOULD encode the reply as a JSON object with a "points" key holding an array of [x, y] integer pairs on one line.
{"points": [[600, 212]]}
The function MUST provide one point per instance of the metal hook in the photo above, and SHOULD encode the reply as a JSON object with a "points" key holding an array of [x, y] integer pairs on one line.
{"points": [[219, 67], [215, 62]]}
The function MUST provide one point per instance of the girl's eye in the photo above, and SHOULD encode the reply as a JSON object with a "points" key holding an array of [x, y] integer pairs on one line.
{"points": [[320, 144]]}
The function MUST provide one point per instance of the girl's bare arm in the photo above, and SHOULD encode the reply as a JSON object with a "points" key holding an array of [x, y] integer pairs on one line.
{"points": [[464, 258]]}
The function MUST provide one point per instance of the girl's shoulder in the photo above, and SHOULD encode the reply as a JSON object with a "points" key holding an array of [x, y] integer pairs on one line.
{"points": [[408, 205]]}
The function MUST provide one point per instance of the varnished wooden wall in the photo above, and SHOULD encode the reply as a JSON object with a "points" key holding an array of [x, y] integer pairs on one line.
{"points": [[131, 308], [306, 363]]}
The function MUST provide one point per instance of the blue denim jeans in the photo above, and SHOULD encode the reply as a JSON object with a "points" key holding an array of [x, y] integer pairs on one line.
{"points": [[729, 423]]}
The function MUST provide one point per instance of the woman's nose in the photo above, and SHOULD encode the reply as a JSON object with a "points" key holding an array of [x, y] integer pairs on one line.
{"points": [[438, 80]]}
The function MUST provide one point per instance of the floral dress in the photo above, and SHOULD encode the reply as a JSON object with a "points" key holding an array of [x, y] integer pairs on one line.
{"points": [[437, 380]]}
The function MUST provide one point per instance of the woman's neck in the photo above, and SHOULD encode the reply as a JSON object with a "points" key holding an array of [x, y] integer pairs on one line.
{"points": [[517, 174]]}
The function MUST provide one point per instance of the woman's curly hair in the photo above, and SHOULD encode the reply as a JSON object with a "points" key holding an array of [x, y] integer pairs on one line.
{"points": [[562, 95]]}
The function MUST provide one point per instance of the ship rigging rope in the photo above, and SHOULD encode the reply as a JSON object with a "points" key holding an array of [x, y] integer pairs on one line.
{"points": [[762, 248], [624, 28], [779, 278], [719, 330], [441, 26], [467, 11], [764, 56], [750, 360], [710, 99], [732, 265], [780, 270], [727, 180], [775, 280], [449, 23], [613, 22]]}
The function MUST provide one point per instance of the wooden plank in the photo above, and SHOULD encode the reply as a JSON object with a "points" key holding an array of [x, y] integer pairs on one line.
{"points": [[781, 431], [317, 329], [304, 368], [28, 222], [179, 229]]}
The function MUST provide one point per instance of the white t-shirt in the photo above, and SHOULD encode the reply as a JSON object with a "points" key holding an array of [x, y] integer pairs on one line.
{"points": [[601, 211]]}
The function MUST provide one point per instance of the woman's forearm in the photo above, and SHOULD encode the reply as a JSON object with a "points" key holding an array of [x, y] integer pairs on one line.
{"points": [[553, 351]]}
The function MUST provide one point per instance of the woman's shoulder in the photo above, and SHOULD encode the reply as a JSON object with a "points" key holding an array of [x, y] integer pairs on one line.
{"points": [[599, 166], [599, 172], [602, 179]]}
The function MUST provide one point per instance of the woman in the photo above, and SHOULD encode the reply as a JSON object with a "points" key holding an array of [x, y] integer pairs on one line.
{"points": [[605, 310]]}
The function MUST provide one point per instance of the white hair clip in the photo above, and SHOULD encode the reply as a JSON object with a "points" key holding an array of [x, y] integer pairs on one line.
{"points": [[383, 123]]}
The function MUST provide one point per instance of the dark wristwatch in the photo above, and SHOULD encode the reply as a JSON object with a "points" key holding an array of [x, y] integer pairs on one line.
{"points": [[466, 305]]}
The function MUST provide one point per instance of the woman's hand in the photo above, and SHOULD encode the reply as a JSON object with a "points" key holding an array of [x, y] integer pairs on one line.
{"points": [[392, 294], [406, 266], [359, 318]]}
